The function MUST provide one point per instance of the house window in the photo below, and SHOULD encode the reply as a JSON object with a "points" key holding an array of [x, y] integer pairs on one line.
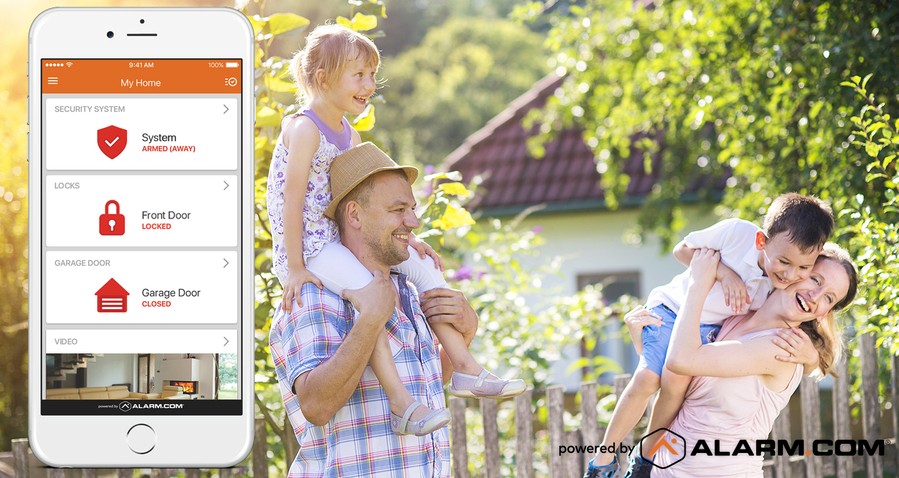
{"points": [[615, 285]]}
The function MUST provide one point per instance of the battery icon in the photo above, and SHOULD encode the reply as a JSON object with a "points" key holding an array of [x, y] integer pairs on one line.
{"points": [[232, 64]]}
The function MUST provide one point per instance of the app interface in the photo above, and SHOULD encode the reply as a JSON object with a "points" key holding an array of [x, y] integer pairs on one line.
{"points": [[141, 243]]}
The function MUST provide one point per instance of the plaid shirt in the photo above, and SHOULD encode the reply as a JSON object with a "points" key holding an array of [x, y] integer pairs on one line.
{"points": [[358, 441]]}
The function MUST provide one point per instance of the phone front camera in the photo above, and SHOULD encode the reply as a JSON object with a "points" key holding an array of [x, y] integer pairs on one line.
{"points": [[110, 34], [141, 21]]}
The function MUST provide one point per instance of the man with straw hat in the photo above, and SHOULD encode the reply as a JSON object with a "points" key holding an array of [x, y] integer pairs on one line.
{"points": [[340, 413]]}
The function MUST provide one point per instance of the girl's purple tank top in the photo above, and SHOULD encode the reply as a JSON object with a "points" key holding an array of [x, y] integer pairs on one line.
{"points": [[340, 139]]}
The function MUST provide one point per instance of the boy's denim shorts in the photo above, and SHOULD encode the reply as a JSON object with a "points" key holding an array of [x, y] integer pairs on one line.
{"points": [[656, 338]]}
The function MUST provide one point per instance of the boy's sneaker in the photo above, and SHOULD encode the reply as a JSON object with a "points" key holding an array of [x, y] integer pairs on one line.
{"points": [[637, 466], [602, 471], [482, 386]]}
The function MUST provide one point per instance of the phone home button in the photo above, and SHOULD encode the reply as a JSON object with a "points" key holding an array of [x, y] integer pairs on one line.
{"points": [[141, 439]]}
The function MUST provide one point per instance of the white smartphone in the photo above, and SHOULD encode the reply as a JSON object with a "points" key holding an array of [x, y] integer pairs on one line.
{"points": [[141, 237]]}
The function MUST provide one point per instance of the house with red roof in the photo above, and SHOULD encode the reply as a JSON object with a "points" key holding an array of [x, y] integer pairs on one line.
{"points": [[575, 221]]}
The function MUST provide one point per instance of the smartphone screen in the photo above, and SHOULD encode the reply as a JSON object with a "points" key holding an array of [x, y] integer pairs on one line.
{"points": [[141, 242]]}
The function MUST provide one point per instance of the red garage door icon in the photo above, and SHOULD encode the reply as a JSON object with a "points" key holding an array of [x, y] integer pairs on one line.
{"points": [[112, 297]]}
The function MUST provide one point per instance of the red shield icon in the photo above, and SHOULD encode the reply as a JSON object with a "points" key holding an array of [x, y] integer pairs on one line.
{"points": [[112, 140]]}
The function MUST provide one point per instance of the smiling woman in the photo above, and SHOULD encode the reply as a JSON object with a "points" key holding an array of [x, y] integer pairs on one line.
{"points": [[740, 388]]}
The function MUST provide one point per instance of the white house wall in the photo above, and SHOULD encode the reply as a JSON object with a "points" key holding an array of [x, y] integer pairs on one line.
{"points": [[111, 369], [592, 243]]}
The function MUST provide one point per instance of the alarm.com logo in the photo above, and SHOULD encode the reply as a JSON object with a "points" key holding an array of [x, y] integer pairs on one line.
{"points": [[673, 443]]}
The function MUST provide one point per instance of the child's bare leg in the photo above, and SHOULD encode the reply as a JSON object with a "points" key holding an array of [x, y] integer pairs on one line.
{"points": [[456, 349], [385, 369], [628, 411], [674, 389]]}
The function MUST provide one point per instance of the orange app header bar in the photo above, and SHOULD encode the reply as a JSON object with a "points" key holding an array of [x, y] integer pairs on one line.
{"points": [[140, 76]]}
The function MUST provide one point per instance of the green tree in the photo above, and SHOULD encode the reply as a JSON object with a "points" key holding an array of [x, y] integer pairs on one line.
{"points": [[410, 20], [404, 28], [740, 87], [872, 225], [462, 74]]}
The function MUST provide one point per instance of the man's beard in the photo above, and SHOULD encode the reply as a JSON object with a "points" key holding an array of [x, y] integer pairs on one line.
{"points": [[386, 250]]}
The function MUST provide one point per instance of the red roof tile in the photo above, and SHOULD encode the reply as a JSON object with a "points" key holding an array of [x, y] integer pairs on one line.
{"points": [[566, 176]]}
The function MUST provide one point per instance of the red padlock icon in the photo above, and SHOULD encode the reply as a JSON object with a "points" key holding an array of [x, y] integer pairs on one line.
{"points": [[112, 224]]}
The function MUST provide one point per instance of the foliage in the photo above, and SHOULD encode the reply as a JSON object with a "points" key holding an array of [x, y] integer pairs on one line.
{"points": [[745, 89], [411, 20], [521, 321], [524, 327], [408, 23], [462, 74], [739, 87], [874, 236]]}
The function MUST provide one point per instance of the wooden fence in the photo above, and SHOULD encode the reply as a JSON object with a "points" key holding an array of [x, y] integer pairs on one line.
{"points": [[572, 465]]}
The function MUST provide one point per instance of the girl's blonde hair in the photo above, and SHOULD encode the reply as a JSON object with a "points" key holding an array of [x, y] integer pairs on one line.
{"points": [[329, 48], [826, 335]]}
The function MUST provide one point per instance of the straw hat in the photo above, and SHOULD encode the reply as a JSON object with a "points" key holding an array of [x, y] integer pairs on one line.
{"points": [[354, 166]]}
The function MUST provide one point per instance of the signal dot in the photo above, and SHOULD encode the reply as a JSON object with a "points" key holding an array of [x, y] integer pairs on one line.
{"points": [[808, 452]]}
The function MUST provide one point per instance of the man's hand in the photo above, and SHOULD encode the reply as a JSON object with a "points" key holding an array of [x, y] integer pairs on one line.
{"points": [[322, 391], [735, 295], [296, 277], [798, 346], [450, 306], [376, 300], [424, 249]]}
